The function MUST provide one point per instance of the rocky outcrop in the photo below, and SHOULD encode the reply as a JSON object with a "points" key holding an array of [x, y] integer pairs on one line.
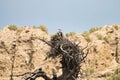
{"points": [[30, 52]]}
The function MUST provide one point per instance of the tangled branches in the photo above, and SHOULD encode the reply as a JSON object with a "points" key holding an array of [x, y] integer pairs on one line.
{"points": [[33, 75], [71, 58]]}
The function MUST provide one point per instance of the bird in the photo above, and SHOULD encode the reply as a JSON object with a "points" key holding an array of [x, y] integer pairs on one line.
{"points": [[60, 32]]}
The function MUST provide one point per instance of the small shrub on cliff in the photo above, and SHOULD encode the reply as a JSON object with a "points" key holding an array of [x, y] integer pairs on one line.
{"points": [[86, 36], [89, 71], [116, 75], [99, 36], [116, 27], [106, 39], [44, 28], [12, 27], [85, 33], [19, 30], [70, 34], [117, 71], [94, 29], [15, 28]]}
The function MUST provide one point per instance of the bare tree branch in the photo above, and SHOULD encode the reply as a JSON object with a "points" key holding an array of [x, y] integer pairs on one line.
{"points": [[71, 58], [61, 47], [13, 58], [34, 75]]}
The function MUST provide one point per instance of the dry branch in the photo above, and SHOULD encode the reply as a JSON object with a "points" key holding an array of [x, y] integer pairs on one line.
{"points": [[71, 58]]}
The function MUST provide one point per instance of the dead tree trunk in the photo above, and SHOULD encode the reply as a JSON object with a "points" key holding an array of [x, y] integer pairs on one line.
{"points": [[71, 58]]}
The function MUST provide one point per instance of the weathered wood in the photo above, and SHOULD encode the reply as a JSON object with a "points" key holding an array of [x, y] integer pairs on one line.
{"points": [[71, 58]]}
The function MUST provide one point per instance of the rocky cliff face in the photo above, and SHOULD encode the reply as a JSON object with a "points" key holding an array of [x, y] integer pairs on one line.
{"points": [[23, 45]]}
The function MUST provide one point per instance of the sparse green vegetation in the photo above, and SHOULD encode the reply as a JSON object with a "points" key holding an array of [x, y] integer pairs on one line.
{"points": [[85, 33], [116, 27], [42, 27], [89, 71], [117, 71], [34, 27], [116, 75], [12, 27], [94, 29], [99, 36], [19, 30], [15, 28], [86, 36], [106, 39], [70, 34]]}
